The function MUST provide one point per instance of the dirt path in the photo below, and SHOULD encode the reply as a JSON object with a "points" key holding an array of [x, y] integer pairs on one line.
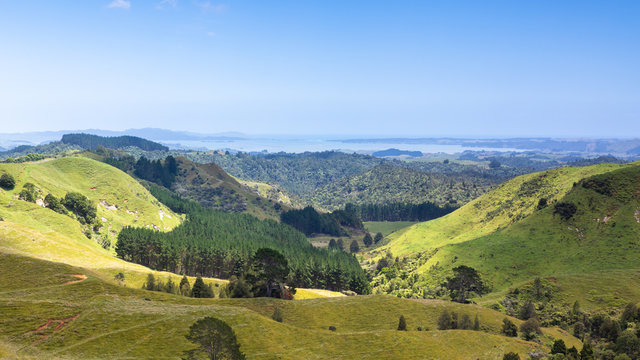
{"points": [[81, 277], [61, 323]]}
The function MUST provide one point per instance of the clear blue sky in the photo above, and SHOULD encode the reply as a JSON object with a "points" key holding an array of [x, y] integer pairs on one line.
{"points": [[416, 68]]}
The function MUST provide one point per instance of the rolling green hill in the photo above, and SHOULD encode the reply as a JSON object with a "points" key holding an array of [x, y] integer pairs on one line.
{"points": [[591, 255], [213, 188], [35, 231], [44, 316]]}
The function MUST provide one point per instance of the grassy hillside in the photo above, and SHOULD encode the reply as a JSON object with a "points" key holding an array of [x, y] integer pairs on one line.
{"points": [[503, 206], [95, 319], [212, 187], [30, 229], [591, 257]]}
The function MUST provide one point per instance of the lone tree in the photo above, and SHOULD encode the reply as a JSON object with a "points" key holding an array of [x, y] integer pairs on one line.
{"points": [[215, 339], [277, 315], [354, 248], [7, 181], [402, 323], [378, 238], [464, 283], [566, 210]]}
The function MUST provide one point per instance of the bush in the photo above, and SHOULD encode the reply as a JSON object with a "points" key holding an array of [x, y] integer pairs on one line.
{"points": [[54, 204], [559, 347], [530, 329], [402, 323], [332, 328], [511, 356], [277, 315], [566, 210], [80, 205], [7, 181], [29, 193], [509, 328]]}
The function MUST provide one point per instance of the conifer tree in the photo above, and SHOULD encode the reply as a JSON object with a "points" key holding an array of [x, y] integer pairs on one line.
{"points": [[367, 240], [378, 238], [354, 248], [150, 284], [185, 287], [444, 321], [402, 323], [476, 324]]}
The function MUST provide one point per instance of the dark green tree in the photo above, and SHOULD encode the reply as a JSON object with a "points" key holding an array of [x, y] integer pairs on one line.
{"points": [[587, 352], [170, 287], [277, 315], [185, 287], [28, 193], [367, 240], [378, 237], [444, 321], [340, 244], [354, 248], [511, 356], [270, 272], [465, 283], [476, 323], [238, 288], [465, 322], [54, 204], [7, 181], [333, 244], [80, 205], [628, 343], [509, 328], [530, 329], [566, 210], [150, 284], [402, 323], [200, 289], [527, 311], [215, 339], [559, 347]]}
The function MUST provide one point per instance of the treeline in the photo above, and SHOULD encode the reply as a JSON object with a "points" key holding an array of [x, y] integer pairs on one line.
{"points": [[309, 221], [398, 211], [217, 244], [91, 142], [162, 172]]}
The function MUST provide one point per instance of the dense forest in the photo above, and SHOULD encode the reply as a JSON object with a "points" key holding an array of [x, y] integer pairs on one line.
{"points": [[91, 142], [217, 244], [398, 211], [310, 222], [387, 183]]}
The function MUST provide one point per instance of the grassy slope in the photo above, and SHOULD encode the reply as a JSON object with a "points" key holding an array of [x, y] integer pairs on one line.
{"points": [[386, 227], [590, 260], [501, 207], [545, 245], [116, 322], [41, 233]]}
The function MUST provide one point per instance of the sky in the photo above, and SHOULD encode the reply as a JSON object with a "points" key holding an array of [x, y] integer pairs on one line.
{"points": [[369, 68]]}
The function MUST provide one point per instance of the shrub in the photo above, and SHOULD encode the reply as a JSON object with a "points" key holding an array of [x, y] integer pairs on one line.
{"points": [[7, 181], [402, 323], [566, 210], [54, 204], [332, 328], [511, 356], [530, 329], [277, 315], [559, 347], [509, 328], [80, 205]]}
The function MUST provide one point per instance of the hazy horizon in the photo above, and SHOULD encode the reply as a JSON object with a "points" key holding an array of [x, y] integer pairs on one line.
{"points": [[497, 69]]}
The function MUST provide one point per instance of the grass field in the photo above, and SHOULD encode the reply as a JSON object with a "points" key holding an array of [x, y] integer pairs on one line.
{"points": [[386, 227], [106, 321]]}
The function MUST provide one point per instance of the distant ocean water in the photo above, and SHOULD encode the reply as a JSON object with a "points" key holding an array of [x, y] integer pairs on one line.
{"points": [[303, 144]]}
